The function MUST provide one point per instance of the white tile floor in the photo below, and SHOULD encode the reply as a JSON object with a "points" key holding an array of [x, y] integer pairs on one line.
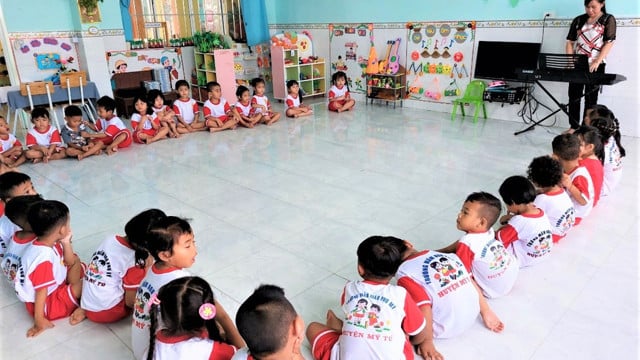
{"points": [[288, 204]]}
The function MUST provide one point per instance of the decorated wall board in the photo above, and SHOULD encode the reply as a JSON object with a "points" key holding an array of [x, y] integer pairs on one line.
{"points": [[349, 46], [146, 59], [439, 59], [44, 58]]}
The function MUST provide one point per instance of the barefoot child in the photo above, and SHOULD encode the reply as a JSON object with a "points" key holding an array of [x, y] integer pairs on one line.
{"points": [[339, 98], [261, 103], [43, 140], [244, 109], [217, 111], [164, 112], [146, 125], [80, 143], [295, 107], [115, 134], [186, 110], [10, 146]]}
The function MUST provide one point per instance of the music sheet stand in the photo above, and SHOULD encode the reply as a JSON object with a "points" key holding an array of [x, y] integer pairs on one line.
{"points": [[557, 63]]}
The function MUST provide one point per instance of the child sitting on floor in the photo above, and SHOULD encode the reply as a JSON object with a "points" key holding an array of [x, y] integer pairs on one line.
{"points": [[80, 143], [43, 140], [381, 319], [591, 156], [295, 107], [244, 109], [270, 326], [10, 146], [115, 134], [12, 184], [525, 231], [261, 104], [603, 119], [217, 111], [546, 174], [186, 110], [165, 114], [146, 125], [339, 98]]}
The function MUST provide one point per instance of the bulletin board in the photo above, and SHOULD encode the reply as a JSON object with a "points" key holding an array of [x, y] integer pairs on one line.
{"points": [[439, 59], [41, 58], [349, 45], [146, 59]]}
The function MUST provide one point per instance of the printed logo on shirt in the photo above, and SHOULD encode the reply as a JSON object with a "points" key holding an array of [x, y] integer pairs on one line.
{"points": [[500, 257], [566, 221], [540, 245], [368, 316], [141, 318], [10, 267], [446, 272], [99, 268]]}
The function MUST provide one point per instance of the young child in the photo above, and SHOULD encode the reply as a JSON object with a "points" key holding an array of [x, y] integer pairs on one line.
{"points": [[261, 104], [80, 143], [164, 112], [546, 174], [494, 269], [430, 278], [217, 111], [186, 110], [525, 231], [576, 179], [613, 153], [146, 125], [381, 319], [49, 279], [192, 322], [10, 146], [115, 134], [16, 211], [270, 325], [339, 98], [295, 107], [115, 271], [43, 140], [246, 114], [591, 157], [12, 184]]}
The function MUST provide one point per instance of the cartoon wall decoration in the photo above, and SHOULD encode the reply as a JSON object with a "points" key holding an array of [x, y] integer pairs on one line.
{"points": [[147, 59], [45, 58], [439, 59], [349, 46]]}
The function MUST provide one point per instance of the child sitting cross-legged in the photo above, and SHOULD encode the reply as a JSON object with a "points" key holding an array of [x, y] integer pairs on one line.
{"points": [[11, 151], [591, 157], [165, 114], [146, 125], [115, 134], [381, 320], [217, 111], [43, 140], [244, 109], [186, 110], [80, 143]]}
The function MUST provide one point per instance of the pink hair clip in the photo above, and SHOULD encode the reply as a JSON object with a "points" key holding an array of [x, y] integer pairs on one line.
{"points": [[153, 300], [207, 311]]}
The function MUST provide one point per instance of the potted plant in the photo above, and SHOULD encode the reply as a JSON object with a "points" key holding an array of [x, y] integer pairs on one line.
{"points": [[89, 6], [208, 41]]}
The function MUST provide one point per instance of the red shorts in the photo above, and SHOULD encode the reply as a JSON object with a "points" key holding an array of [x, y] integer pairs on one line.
{"points": [[223, 118], [59, 304], [332, 104], [325, 344], [116, 313], [107, 140], [148, 132]]}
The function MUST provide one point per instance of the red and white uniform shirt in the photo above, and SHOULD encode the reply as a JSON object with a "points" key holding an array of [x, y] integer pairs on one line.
{"points": [[244, 109], [9, 143], [559, 209], [192, 348], [187, 109], [7, 229], [581, 179], [51, 136], [41, 267], [164, 108], [596, 171], [441, 281], [13, 257], [109, 274], [220, 109], [292, 102], [111, 127], [135, 121], [152, 282], [492, 266], [528, 237], [612, 166], [242, 354], [261, 100], [335, 92], [378, 318]]}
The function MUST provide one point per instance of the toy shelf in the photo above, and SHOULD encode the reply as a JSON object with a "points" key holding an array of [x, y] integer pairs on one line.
{"points": [[287, 65], [215, 66], [387, 87]]}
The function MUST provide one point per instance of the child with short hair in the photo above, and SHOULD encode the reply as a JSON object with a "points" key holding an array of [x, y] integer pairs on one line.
{"points": [[261, 104], [115, 272], [16, 211], [270, 326], [244, 109], [525, 231], [295, 107], [146, 125], [494, 269], [546, 174], [115, 134], [186, 110], [576, 179], [339, 98], [12, 184], [190, 323], [591, 157], [80, 143], [50, 275], [43, 140], [217, 111], [11, 151], [381, 319], [613, 153], [165, 114]]}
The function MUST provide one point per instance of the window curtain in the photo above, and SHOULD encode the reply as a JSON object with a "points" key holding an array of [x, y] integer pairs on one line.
{"points": [[126, 19], [254, 13]]}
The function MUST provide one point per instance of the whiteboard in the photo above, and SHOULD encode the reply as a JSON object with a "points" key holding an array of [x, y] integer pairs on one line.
{"points": [[36, 57]]}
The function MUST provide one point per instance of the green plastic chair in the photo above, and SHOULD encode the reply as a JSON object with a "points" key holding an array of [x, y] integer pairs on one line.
{"points": [[473, 94]]}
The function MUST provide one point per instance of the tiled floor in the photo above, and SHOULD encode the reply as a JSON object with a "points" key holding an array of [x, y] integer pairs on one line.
{"points": [[288, 204]]}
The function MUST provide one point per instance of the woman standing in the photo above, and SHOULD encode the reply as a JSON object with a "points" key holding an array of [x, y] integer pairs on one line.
{"points": [[591, 34]]}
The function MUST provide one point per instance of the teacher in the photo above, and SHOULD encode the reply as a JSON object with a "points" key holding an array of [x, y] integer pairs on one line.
{"points": [[591, 34]]}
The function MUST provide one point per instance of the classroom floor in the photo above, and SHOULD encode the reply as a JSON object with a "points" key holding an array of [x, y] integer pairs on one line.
{"points": [[288, 205]]}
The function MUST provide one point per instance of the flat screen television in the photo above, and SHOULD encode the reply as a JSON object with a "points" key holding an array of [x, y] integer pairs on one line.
{"points": [[498, 60]]}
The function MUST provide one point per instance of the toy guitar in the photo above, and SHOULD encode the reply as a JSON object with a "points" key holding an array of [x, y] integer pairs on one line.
{"points": [[394, 61], [372, 63], [383, 64]]}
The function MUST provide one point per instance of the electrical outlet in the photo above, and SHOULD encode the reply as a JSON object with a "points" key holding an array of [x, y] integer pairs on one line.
{"points": [[548, 15]]}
